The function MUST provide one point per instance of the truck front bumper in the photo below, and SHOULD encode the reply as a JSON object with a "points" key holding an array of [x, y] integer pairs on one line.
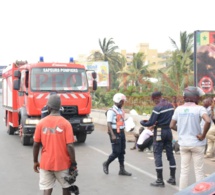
{"points": [[29, 130], [88, 128], [76, 125]]}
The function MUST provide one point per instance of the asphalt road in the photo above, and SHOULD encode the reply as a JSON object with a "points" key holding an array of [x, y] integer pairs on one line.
{"points": [[18, 177]]}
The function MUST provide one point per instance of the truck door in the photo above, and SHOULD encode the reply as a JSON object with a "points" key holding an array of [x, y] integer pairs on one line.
{"points": [[23, 92]]}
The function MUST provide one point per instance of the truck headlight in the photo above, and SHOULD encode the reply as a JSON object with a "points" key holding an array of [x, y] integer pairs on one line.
{"points": [[87, 120], [31, 121]]}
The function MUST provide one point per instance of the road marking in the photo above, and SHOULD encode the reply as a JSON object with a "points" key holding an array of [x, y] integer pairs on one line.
{"points": [[134, 167], [151, 158]]}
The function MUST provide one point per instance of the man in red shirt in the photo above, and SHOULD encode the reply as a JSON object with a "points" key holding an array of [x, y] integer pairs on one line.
{"points": [[55, 134]]}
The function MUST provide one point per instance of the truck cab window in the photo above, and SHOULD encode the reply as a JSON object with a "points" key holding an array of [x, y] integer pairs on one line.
{"points": [[57, 79]]}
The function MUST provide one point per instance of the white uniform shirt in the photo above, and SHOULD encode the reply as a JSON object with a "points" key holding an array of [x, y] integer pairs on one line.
{"points": [[111, 116], [188, 117]]}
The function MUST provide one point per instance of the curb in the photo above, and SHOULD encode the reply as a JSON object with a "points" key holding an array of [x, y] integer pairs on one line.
{"points": [[100, 118]]}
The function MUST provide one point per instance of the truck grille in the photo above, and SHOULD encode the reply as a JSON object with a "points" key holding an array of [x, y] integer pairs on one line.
{"points": [[70, 110]]}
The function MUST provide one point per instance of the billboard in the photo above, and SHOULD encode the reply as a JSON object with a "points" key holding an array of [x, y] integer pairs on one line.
{"points": [[102, 70], [204, 60]]}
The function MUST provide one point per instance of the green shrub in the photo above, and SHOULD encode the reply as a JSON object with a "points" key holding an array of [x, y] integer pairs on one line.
{"points": [[103, 99]]}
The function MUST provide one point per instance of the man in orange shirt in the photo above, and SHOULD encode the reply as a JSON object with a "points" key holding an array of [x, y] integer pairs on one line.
{"points": [[58, 155]]}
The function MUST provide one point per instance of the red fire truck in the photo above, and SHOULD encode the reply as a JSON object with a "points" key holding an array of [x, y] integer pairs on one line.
{"points": [[26, 88]]}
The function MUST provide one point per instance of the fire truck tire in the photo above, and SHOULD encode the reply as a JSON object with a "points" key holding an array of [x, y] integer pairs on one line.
{"points": [[11, 130], [81, 137], [26, 140]]}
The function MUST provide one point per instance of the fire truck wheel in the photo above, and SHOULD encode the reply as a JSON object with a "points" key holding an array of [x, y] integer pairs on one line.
{"points": [[26, 140], [11, 130], [81, 137]]}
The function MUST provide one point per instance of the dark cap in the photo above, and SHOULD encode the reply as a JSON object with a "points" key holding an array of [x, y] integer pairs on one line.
{"points": [[156, 94], [54, 102]]}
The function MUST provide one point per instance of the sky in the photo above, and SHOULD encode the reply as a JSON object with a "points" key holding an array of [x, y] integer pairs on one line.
{"points": [[60, 29]]}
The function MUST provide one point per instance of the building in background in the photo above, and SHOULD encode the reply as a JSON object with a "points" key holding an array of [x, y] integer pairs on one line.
{"points": [[154, 59]]}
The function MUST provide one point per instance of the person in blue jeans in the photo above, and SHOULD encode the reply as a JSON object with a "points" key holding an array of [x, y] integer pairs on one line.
{"points": [[161, 117]]}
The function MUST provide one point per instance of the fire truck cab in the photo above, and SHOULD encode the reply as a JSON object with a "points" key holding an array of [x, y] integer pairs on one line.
{"points": [[26, 88]]}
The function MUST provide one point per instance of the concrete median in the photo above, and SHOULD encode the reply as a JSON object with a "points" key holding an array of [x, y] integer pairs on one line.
{"points": [[100, 118]]}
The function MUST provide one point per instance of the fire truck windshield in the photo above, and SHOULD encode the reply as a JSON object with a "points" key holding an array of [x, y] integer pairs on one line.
{"points": [[58, 79]]}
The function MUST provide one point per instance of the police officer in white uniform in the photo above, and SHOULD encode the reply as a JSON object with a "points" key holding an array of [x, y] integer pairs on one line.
{"points": [[116, 126]]}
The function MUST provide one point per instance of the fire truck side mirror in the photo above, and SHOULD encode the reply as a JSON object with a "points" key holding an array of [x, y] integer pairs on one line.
{"points": [[94, 85], [16, 84], [17, 74], [94, 75]]}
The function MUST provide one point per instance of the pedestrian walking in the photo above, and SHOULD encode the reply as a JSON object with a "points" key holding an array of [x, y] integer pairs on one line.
{"points": [[57, 160], [191, 137], [160, 119], [116, 127]]}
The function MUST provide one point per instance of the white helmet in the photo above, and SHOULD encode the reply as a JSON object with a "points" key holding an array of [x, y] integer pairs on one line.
{"points": [[118, 97]]}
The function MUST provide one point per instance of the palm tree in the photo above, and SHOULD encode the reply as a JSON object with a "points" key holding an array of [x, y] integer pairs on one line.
{"points": [[133, 74], [108, 48], [95, 56], [185, 50], [108, 53], [115, 60], [186, 42], [179, 69]]}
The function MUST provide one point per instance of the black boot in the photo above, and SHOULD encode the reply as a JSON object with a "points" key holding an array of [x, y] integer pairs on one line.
{"points": [[105, 167], [107, 163], [122, 171], [171, 180], [159, 182]]}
